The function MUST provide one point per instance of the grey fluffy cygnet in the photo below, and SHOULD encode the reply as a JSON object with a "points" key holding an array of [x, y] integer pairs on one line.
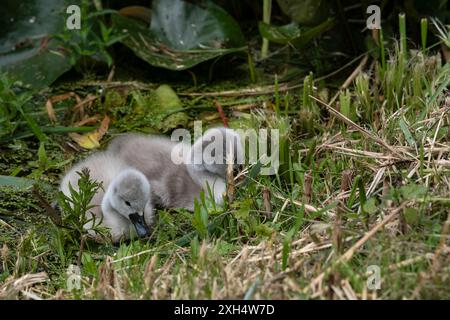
{"points": [[125, 207], [207, 159], [175, 184]]}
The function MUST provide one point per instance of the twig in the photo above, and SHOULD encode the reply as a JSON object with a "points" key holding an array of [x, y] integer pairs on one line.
{"points": [[243, 92], [115, 84], [270, 89]]}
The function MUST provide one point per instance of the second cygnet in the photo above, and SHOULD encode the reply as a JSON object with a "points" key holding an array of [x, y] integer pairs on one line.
{"points": [[175, 184]]}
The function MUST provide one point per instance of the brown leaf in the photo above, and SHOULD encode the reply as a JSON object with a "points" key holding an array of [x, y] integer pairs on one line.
{"points": [[137, 12], [63, 97], [103, 127], [50, 110], [49, 104]]}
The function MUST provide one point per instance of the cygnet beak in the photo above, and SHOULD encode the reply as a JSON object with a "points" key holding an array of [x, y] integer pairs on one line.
{"points": [[141, 228]]}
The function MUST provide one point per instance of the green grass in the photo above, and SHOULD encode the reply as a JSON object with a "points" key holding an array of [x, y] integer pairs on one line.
{"points": [[290, 236]]}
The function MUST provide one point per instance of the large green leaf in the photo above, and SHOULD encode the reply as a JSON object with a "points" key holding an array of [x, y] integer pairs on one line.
{"points": [[27, 51], [181, 34], [292, 33]]}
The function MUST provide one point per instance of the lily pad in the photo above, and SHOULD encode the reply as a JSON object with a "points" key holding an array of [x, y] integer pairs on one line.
{"points": [[293, 33], [181, 34], [27, 52]]}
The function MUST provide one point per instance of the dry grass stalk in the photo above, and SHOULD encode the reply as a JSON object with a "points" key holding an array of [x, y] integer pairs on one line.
{"points": [[105, 287], [221, 113], [12, 287], [366, 133], [230, 175], [266, 201], [307, 187], [308, 208], [410, 261]]}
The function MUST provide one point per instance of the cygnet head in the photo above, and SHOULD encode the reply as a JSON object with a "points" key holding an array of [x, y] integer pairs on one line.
{"points": [[129, 195], [212, 151]]}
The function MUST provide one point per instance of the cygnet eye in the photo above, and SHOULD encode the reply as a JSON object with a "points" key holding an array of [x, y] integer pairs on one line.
{"points": [[128, 203]]}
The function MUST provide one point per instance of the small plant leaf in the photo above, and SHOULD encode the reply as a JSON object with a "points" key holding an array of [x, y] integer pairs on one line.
{"points": [[407, 133], [411, 216], [413, 191], [370, 206]]}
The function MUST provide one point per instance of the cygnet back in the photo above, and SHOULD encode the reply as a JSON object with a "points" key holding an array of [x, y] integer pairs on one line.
{"points": [[172, 186]]}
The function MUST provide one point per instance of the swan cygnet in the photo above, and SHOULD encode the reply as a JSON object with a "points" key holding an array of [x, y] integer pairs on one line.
{"points": [[177, 184], [125, 207], [207, 161]]}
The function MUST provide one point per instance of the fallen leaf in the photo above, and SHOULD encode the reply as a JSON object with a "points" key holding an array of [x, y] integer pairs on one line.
{"points": [[91, 140], [86, 141], [49, 104], [103, 127], [50, 110]]}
